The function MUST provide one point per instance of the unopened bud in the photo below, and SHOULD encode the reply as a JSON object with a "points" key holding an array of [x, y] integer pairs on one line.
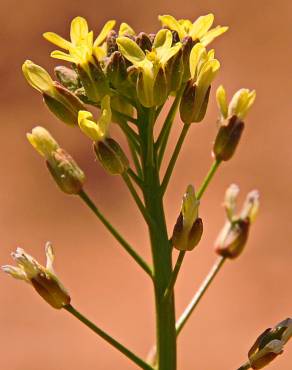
{"points": [[144, 42], [228, 138], [67, 77], [94, 81], [193, 109], [111, 156], [111, 42], [64, 104], [175, 71], [116, 69], [270, 344], [66, 172], [160, 88], [187, 45], [188, 229]]}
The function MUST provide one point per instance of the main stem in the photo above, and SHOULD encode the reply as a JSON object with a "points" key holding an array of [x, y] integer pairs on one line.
{"points": [[161, 250]]}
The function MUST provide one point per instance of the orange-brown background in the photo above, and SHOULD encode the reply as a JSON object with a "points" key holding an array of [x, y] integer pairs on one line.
{"points": [[250, 293]]}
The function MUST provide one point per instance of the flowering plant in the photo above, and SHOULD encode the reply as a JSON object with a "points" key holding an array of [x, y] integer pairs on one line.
{"points": [[128, 77]]}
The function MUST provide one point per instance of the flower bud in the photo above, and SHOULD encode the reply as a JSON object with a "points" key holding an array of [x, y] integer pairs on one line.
{"points": [[42, 141], [241, 103], [144, 42], [188, 229], [43, 279], [116, 69], [111, 42], [111, 156], [174, 71], [270, 344], [67, 77], [94, 81], [63, 103], [233, 237], [65, 171], [160, 88], [190, 110], [228, 138], [187, 45]]}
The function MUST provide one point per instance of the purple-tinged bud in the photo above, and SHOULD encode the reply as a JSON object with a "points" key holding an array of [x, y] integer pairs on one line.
{"points": [[174, 71], [67, 77], [227, 139], [144, 41], [116, 69], [111, 42]]}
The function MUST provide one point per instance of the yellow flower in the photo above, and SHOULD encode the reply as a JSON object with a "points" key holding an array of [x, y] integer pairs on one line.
{"points": [[203, 69], [199, 30], [81, 48], [43, 279], [97, 131], [239, 105], [151, 65]]}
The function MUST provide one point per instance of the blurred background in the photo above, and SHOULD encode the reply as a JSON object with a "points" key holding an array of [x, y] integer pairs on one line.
{"points": [[249, 295]]}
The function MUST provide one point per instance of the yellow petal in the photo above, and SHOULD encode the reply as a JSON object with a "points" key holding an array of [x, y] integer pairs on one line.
{"points": [[201, 26], [212, 34], [50, 256], [79, 30], [104, 32], [170, 22], [42, 141], [57, 54], [195, 56], [88, 126], [169, 53], [106, 116], [189, 207], [57, 40], [222, 101], [208, 73], [163, 39], [130, 50], [125, 29]]}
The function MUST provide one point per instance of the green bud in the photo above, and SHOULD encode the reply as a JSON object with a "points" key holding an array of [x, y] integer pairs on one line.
{"points": [[64, 104], [193, 109], [65, 171], [227, 139], [94, 81], [144, 41], [67, 77], [160, 89], [174, 71], [188, 229], [116, 69], [111, 156]]}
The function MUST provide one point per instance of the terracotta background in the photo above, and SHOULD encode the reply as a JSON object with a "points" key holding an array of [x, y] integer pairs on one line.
{"points": [[250, 293]]}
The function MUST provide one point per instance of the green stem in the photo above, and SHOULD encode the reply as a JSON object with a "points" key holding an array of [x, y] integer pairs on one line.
{"points": [[208, 178], [135, 158], [200, 293], [161, 142], [137, 360], [179, 261], [174, 158], [161, 253], [136, 198], [135, 177], [116, 234], [245, 366]]}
